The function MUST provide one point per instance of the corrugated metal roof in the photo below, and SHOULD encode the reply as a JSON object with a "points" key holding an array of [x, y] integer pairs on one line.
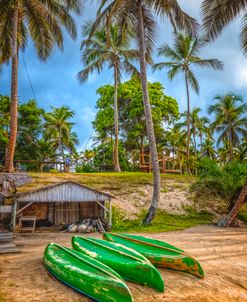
{"points": [[63, 192], [20, 179]]}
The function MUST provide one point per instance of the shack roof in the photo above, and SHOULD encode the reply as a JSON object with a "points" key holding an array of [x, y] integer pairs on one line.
{"points": [[68, 191]]}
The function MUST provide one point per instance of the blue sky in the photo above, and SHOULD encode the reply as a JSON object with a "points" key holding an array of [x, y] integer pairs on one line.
{"points": [[55, 82]]}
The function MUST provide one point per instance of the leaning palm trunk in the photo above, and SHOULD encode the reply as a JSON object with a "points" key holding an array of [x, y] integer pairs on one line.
{"points": [[9, 160], [188, 118], [229, 219], [149, 122], [116, 155]]}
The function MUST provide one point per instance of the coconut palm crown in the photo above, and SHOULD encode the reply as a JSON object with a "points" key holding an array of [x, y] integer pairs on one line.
{"points": [[108, 47], [183, 57]]}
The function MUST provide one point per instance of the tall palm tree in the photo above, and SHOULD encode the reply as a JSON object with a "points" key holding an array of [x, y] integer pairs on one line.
{"points": [[240, 153], [139, 15], [183, 57], [175, 144], [230, 120], [200, 126], [42, 21], [208, 149], [217, 15], [45, 152], [58, 129], [203, 126], [109, 47]]}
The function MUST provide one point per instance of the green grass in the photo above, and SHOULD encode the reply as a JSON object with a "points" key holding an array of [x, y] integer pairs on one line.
{"points": [[163, 222], [115, 183], [243, 214]]}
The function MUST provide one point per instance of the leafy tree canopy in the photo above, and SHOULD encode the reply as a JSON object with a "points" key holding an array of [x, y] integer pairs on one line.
{"points": [[131, 112]]}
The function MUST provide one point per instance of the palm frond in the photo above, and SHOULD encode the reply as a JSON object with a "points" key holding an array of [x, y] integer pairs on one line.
{"points": [[218, 14], [193, 81]]}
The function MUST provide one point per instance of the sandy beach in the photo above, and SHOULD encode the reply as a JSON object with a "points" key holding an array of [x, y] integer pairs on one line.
{"points": [[221, 252]]}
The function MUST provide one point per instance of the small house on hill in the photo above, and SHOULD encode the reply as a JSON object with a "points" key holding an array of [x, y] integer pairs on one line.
{"points": [[63, 203]]}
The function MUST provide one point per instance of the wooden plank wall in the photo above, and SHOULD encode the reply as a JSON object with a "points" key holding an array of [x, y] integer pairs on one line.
{"points": [[65, 212], [91, 210]]}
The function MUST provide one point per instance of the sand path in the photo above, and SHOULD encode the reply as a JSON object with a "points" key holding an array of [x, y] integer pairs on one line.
{"points": [[222, 253]]}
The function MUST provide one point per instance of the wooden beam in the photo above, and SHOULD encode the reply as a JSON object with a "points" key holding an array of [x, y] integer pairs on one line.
{"points": [[110, 218], [14, 216], [26, 206], [104, 207]]}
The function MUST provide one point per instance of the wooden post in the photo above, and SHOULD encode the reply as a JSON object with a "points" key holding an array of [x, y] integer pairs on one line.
{"points": [[14, 215], [105, 212], [110, 213]]}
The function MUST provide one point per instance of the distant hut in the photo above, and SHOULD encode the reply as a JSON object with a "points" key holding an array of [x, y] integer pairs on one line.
{"points": [[63, 203]]}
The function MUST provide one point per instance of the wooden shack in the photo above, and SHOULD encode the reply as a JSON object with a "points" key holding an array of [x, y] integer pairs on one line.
{"points": [[63, 203]]}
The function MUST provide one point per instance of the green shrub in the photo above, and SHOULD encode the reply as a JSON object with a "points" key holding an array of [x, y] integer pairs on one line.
{"points": [[53, 171], [215, 181], [86, 168]]}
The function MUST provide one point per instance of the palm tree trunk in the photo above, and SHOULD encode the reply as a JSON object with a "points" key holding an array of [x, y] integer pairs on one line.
{"points": [[149, 121], [116, 155], [200, 134], [231, 144], [194, 138], [188, 118], [9, 160], [229, 219]]}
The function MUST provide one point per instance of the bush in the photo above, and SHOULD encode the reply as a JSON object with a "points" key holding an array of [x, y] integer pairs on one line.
{"points": [[53, 171], [223, 182], [86, 168]]}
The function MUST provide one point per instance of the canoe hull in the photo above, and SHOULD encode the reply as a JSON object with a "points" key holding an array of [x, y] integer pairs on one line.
{"points": [[183, 264], [85, 275], [161, 254], [128, 263]]}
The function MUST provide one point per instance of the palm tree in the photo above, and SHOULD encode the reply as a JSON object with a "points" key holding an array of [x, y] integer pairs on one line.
{"points": [[183, 56], [88, 155], [45, 152], [139, 15], [109, 47], [230, 121], [240, 153], [217, 15], [207, 148], [175, 144], [42, 21], [58, 129], [203, 126]]}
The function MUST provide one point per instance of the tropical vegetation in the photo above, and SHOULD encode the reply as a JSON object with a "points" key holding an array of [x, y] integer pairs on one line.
{"points": [[182, 58], [137, 125]]}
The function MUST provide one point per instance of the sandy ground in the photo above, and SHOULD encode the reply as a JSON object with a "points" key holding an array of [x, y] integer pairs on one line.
{"points": [[222, 253]]}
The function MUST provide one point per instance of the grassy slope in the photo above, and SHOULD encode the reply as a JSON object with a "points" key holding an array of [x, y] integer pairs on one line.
{"points": [[115, 183], [119, 184], [243, 214]]}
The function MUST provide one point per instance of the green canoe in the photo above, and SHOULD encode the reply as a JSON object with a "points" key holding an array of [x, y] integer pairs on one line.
{"points": [[131, 265], [159, 253], [86, 275]]}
